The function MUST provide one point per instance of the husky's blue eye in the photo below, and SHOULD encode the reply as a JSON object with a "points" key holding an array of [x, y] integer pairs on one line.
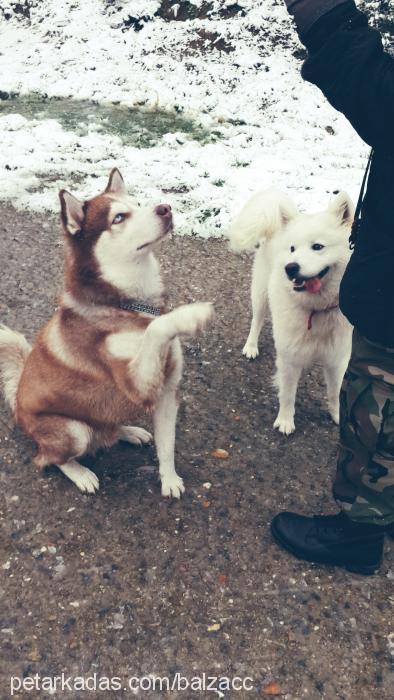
{"points": [[292, 249], [317, 246], [119, 218]]}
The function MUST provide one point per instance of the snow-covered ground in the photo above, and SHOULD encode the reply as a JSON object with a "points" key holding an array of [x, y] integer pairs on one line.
{"points": [[269, 127]]}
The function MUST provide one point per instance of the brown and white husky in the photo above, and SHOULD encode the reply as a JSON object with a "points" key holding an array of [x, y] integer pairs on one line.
{"points": [[111, 351]]}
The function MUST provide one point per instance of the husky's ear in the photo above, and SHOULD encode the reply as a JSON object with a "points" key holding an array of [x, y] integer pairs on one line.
{"points": [[72, 212], [343, 208], [116, 183], [262, 216]]}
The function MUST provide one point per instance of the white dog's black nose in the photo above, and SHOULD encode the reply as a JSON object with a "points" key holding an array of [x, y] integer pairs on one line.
{"points": [[292, 270]]}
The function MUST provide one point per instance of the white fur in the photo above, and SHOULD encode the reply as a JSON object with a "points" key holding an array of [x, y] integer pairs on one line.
{"points": [[14, 350], [124, 345], [75, 213], [59, 348], [134, 435], [88, 311], [272, 218], [261, 217], [82, 477], [164, 423], [125, 259], [146, 351], [124, 252], [82, 436], [185, 320]]}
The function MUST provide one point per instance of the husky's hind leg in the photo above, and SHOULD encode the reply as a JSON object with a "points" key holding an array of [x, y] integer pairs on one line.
{"points": [[134, 435], [60, 441], [81, 476]]}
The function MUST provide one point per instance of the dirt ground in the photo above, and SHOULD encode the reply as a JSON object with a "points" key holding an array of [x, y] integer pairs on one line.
{"points": [[126, 583]]}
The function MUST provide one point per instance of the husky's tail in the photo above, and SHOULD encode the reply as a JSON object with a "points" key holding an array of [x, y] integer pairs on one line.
{"points": [[262, 216], [14, 350]]}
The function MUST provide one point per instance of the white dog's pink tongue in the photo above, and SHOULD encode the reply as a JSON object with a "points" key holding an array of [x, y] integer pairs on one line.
{"points": [[313, 285]]}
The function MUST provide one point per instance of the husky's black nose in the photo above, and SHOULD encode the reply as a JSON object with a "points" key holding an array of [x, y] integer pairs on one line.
{"points": [[292, 270], [163, 210]]}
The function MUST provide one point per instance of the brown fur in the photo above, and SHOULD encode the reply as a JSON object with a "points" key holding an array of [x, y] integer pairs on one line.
{"points": [[96, 365], [98, 391], [94, 388], [81, 276]]}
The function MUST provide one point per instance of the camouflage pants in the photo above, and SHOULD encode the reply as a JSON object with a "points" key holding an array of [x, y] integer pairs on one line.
{"points": [[364, 482]]}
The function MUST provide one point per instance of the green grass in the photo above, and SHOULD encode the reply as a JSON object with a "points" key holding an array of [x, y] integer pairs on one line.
{"points": [[135, 127]]}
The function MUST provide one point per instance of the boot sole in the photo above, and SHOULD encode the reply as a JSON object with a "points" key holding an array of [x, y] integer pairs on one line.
{"points": [[364, 569]]}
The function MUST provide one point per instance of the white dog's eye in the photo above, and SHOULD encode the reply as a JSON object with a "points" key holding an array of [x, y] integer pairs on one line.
{"points": [[317, 246], [292, 249], [119, 218]]}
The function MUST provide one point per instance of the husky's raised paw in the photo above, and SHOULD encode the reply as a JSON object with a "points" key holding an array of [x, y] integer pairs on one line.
{"points": [[285, 425], [250, 350], [172, 486], [192, 319]]}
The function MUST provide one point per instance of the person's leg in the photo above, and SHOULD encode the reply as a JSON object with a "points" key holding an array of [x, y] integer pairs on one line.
{"points": [[364, 483]]}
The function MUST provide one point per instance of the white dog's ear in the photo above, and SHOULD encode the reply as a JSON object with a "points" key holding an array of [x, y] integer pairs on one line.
{"points": [[262, 216], [116, 183], [343, 208], [72, 212]]}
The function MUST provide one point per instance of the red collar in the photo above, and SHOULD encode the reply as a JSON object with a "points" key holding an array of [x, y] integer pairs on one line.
{"points": [[319, 311]]}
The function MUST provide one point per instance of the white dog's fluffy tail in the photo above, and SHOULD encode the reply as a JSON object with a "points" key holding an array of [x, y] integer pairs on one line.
{"points": [[14, 350], [261, 217]]}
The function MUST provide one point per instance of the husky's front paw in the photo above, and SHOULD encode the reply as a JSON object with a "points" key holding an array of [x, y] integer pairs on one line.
{"points": [[250, 350], [285, 424], [172, 486], [192, 319]]}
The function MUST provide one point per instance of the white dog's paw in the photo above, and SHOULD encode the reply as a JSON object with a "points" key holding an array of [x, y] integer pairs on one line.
{"points": [[285, 425], [172, 486], [83, 478], [193, 318], [134, 435], [250, 350]]}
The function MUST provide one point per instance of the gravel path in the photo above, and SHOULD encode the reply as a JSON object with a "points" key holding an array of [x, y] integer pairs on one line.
{"points": [[128, 584]]}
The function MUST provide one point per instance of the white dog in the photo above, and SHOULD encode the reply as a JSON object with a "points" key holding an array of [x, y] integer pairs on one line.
{"points": [[298, 269]]}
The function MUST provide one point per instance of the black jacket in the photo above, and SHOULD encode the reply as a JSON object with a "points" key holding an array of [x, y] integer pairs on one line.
{"points": [[348, 63]]}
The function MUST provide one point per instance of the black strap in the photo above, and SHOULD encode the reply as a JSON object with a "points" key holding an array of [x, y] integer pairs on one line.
{"points": [[357, 213]]}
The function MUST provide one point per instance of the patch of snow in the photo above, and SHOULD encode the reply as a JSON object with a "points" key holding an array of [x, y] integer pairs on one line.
{"points": [[273, 129]]}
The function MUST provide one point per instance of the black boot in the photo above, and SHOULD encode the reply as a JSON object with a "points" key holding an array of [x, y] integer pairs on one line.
{"points": [[331, 539]]}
